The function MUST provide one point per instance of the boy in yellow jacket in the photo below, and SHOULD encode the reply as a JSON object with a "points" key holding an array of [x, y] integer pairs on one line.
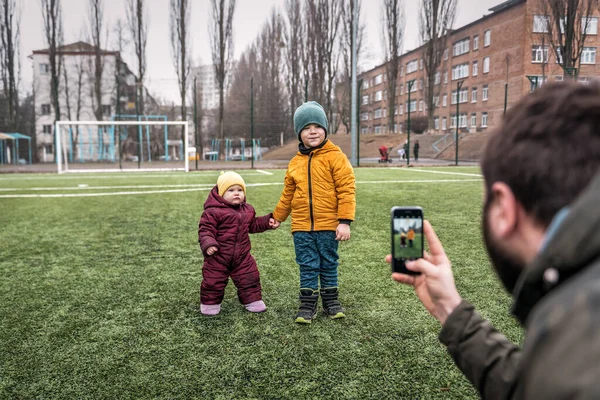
{"points": [[319, 191]]}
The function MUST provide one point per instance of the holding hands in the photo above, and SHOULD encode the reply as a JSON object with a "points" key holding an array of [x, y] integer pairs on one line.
{"points": [[435, 286], [273, 223]]}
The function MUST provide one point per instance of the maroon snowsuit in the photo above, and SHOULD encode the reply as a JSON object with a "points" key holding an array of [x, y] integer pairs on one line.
{"points": [[226, 226]]}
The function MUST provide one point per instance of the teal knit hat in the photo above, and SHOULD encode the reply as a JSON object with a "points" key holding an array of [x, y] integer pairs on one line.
{"points": [[310, 112]]}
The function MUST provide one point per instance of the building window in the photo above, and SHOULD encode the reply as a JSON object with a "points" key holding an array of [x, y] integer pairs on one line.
{"points": [[44, 69], [106, 109], [487, 38], [421, 64], [588, 55], [47, 128], [437, 78], [378, 95], [363, 131], [589, 25], [445, 77], [436, 123], [365, 99], [539, 54], [476, 42], [49, 149], [364, 116], [486, 65], [463, 96], [475, 68], [484, 93], [421, 105], [540, 23], [484, 117], [473, 120], [474, 95], [444, 123], [45, 109], [559, 59], [377, 113], [436, 101], [377, 129], [413, 105], [401, 70], [453, 121], [412, 66], [446, 54], [379, 79], [461, 47], [401, 89], [420, 84], [462, 120], [413, 87], [444, 100], [460, 71], [401, 108]]}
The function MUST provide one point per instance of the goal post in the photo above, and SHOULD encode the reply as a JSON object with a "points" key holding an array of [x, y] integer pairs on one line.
{"points": [[113, 146]]}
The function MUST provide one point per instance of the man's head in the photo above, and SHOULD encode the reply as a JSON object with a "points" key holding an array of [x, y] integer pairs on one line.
{"points": [[539, 160], [310, 124]]}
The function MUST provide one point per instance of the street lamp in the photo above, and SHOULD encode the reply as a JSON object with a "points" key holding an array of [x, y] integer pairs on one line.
{"points": [[458, 87], [409, 87]]}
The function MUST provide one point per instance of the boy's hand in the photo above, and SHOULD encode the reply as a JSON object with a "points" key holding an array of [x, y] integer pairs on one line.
{"points": [[342, 232], [211, 250], [273, 223]]}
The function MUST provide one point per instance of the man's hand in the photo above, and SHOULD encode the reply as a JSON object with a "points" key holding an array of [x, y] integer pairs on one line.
{"points": [[273, 223], [342, 232], [435, 286], [212, 250]]}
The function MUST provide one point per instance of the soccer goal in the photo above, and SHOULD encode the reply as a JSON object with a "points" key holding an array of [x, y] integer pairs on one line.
{"points": [[113, 146]]}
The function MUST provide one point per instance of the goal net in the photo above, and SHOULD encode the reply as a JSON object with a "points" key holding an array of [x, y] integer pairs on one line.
{"points": [[112, 146]]}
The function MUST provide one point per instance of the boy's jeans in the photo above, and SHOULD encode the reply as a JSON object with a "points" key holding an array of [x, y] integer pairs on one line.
{"points": [[316, 254]]}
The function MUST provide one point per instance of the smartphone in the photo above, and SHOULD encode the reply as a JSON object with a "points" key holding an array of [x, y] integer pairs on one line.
{"points": [[407, 237]]}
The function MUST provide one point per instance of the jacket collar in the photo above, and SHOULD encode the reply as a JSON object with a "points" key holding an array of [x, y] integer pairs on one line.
{"points": [[566, 252], [307, 150]]}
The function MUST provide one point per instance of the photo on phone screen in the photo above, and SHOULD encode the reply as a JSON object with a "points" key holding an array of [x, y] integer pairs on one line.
{"points": [[407, 237]]}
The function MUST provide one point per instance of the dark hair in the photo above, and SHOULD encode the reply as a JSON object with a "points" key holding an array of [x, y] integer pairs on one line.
{"points": [[547, 149]]}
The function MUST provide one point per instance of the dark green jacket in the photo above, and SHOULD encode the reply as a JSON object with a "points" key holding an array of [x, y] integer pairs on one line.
{"points": [[560, 358]]}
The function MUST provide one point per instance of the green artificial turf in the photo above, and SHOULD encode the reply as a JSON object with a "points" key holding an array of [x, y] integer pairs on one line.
{"points": [[99, 295]]}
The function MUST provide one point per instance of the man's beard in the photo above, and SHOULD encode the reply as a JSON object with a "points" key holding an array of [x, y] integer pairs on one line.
{"points": [[507, 267]]}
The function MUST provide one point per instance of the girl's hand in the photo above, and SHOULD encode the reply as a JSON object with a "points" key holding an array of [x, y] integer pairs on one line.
{"points": [[211, 250], [273, 223]]}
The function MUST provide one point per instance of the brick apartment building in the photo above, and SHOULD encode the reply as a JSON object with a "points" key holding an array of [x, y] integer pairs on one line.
{"points": [[503, 52]]}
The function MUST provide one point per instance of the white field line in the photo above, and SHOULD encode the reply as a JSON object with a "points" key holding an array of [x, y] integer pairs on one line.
{"points": [[435, 172], [264, 172], [193, 174], [196, 189]]}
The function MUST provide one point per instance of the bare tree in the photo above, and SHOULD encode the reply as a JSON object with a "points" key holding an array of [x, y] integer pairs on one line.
{"points": [[436, 18], [179, 23], [52, 16], [10, 21], [567, 23], [343, 95], [393, 34], [95, 21], [293, 52], [136, 17], [221, 37]]}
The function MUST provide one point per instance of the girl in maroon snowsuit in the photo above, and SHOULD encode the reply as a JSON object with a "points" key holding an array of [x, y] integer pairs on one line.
{"points": [[223, 236]]}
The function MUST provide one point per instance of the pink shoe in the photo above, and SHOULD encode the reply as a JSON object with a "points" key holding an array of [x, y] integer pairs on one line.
{"points": [[256, 306], [210, 309]]}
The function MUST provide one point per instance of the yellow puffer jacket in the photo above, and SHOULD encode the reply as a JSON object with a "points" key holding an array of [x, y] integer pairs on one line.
{"points": [[319, 190]]}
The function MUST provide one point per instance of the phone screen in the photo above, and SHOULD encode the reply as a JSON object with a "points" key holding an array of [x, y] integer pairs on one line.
{"points": [[407, 236]]}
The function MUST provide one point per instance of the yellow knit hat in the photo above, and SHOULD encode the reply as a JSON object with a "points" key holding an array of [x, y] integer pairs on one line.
{"points": [[228, 179]]}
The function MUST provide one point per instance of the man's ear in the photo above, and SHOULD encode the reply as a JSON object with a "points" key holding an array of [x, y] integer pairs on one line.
{"points": [[504, 210]]}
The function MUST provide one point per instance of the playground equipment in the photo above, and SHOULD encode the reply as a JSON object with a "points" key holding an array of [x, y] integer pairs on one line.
{"points": [[6, 156], [244, 153]]}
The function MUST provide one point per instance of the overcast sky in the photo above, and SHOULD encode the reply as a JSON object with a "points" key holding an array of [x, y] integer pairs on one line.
{"points": [[248, 19]]}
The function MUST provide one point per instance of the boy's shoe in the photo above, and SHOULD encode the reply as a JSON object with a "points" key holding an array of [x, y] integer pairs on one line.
{"points": [[331, 304], [308, 306], [210, 309], [256, 306]]}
